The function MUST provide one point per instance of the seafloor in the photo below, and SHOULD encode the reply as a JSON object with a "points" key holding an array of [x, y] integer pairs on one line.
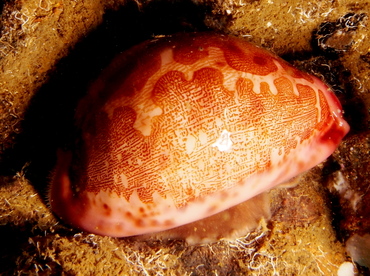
{"points": [[50, 50]]}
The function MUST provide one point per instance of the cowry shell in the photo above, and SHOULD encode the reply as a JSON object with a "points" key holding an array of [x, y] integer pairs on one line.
{"points": [[182, 127]]}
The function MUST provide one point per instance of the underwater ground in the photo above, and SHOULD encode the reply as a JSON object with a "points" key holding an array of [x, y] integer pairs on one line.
{"points": [[50, 50]]}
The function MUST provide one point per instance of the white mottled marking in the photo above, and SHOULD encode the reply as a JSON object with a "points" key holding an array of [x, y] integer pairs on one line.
{"points": [[224, 143]]}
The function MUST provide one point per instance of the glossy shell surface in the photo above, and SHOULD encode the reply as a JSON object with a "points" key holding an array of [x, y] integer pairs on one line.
{"points": [[179, 128]]}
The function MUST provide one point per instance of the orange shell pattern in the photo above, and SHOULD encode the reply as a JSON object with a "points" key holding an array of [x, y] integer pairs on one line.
{"points": [[179, 128]]}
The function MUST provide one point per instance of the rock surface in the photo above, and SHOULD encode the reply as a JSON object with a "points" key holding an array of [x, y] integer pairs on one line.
{"points": [[51, 50]]}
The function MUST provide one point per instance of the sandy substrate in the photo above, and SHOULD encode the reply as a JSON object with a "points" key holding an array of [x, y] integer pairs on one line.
{"points": [[51, 50]]}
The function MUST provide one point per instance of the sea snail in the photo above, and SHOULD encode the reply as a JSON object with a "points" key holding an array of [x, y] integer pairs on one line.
{"points": [[182, 127]]}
